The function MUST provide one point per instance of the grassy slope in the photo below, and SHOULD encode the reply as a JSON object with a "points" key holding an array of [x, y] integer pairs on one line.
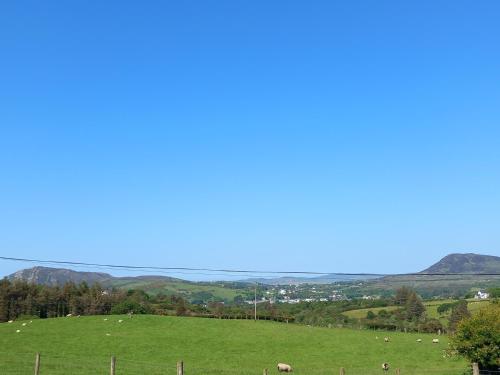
{"points": [[431, 306], [185, 289], [211, 346]]}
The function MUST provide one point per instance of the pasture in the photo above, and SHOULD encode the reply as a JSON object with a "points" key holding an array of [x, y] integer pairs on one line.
{"points": [[153, 345], [430, 306]]}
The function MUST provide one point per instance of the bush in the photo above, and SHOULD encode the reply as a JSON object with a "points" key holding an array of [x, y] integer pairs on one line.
{"points": [[478, 338], [130, 306], [431, 326]]}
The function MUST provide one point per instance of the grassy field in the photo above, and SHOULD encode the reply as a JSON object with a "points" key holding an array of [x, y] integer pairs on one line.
{"points": [[153, 344], [431, 307], [185, 289]]}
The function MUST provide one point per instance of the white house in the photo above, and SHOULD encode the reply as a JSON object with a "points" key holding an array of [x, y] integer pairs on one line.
{"points": [[481, 295]]}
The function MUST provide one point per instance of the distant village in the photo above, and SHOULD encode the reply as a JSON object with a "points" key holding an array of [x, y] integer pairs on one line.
{"points": [[296, 293]]}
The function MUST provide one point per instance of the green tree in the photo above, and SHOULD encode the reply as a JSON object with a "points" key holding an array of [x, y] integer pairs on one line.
{"points": [[180, 307], [402, 295], [370, 315], [445, 307], [415, 309], [494, 292], [458, 313], [478, 338]]}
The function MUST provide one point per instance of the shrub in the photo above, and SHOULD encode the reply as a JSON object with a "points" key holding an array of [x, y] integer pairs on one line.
{"points": [[478, 338]]}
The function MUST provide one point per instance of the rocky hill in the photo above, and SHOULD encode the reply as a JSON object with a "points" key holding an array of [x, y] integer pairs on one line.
{"points": [[465, 263], [58, 276]]}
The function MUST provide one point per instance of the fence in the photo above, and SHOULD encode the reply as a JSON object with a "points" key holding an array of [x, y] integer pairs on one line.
{"points": [[39, 365]]}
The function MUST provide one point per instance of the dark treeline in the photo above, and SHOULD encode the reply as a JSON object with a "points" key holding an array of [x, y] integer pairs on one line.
{"points": [[20, 299]]}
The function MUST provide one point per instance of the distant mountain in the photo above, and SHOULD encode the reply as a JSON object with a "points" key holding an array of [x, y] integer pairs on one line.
{"points": [[465, 263], [193, 291], [60, 276], [450, 264], [323, 279], [57, 276]]}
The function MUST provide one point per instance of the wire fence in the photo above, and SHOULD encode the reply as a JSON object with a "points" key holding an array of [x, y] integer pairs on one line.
{"points": [[27, 363]]}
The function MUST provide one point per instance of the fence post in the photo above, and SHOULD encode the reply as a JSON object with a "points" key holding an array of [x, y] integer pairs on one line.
{"points": [[180, 368], [265, 371], [37, 364], [475, 369], [398, 371], [342, 371], [113, 365]]}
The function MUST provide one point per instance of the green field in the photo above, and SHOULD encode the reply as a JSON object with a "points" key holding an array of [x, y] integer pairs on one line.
{"points": [[431, 309], [186, 289], [153, 345]]}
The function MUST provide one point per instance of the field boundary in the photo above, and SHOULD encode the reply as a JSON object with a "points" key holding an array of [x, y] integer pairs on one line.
{"points": [[115, 366]]}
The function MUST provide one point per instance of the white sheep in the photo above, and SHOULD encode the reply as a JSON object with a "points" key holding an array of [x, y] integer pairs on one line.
{"points": [[435, 341], [17, 331], [10, 321], [69, 315], [120, 321], [24, 324], [283, 367], [419, 340], [385, 366], [386, 339]]}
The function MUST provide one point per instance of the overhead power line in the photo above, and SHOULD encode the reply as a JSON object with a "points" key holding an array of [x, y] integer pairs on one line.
{"points": [[212, 271]]}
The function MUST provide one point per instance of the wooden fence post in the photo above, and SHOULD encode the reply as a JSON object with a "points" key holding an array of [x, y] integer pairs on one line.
{"points": [[475, 369], [113, 365], [37, 364], [265, 371], [342, 371], [398, 371], [180, 368]]}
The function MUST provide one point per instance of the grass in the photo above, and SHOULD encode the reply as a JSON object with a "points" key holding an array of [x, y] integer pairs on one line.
{"points": [[186, 289], [153, 344], [431, 308]]}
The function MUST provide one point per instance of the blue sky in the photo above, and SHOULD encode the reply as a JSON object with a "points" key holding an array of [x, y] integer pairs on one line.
{"points": [[324, 136]]}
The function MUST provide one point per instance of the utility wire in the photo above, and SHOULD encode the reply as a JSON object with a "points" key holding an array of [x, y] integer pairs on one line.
{"points": [[191, 270]]}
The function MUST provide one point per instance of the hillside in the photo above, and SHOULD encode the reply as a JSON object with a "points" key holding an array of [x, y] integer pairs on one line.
{"points": [[192, 291], [153, 344], [426, 282], [441, 279], [465, 263], [323, 279], [57, 276], [431, 306]]}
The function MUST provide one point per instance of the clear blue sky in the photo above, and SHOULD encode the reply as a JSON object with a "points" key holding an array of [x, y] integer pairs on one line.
{"points": [[329, 136]]}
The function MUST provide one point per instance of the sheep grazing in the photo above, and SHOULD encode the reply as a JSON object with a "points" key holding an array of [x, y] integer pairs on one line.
{"points": [[120, 321], [283, 367], [69, 315], [24, 324], [419, 340], [385, 366], [18, 330], [386, 339], [435, 341], [10, 321]]}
